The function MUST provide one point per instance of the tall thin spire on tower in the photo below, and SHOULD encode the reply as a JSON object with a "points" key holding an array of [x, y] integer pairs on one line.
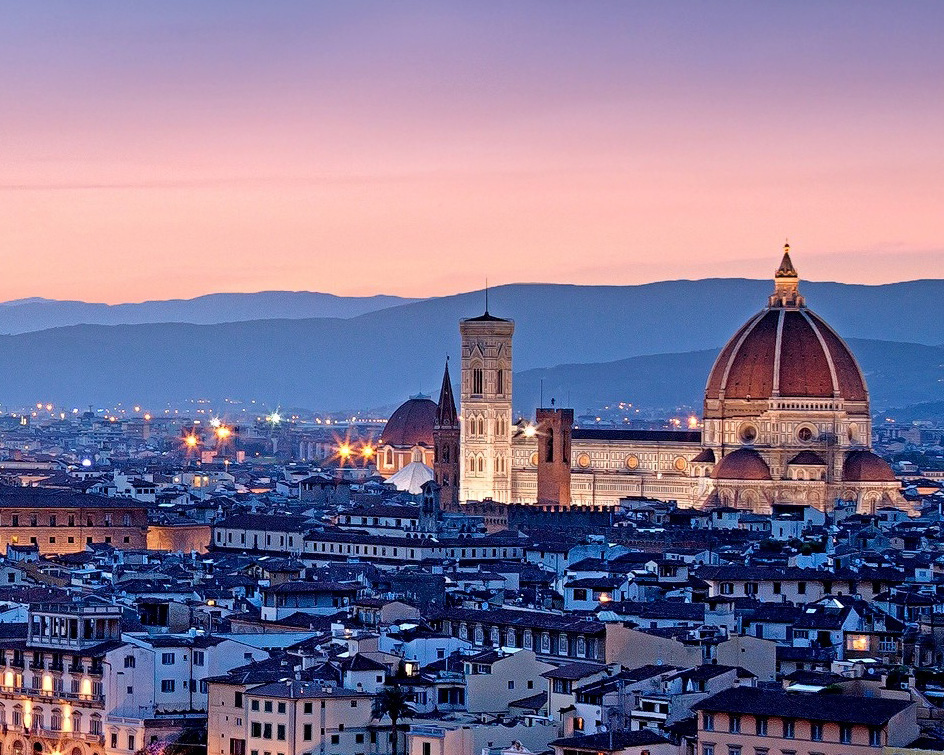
{"points": [[446, 414], [486, 296]]}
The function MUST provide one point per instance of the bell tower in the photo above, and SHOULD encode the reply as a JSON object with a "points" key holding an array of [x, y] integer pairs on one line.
{"points": [[485, 408]]}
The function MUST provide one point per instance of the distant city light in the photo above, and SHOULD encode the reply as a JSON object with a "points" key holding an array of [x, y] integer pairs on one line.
{"points": [[86, 462], [367, 452], [191, 441], [530, 431], [223, 432], [275, 418], [344, 451]]}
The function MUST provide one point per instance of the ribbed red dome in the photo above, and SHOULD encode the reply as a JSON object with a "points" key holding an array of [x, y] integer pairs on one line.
{"points": [[790, 352], [864, 466], [411, 424], [743, 464]]}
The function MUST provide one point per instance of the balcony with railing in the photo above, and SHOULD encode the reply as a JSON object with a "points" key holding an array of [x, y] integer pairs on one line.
{"points": [[57, 734], [427, 731], [18, 693]]}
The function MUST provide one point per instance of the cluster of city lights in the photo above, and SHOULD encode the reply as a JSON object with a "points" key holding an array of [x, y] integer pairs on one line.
{"points": [[347, 451]]}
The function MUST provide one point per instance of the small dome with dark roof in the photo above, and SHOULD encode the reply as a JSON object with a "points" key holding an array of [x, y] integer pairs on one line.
{"points": [[705, 456], [864, 466], [411, 424], [743, 464], [808, 458]]}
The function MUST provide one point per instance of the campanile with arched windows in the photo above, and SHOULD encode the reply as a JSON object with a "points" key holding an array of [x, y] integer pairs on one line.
{"points": [[485, 408]]}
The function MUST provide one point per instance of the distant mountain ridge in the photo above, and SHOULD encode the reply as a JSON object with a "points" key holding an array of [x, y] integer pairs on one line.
{"points": [[382, 356], [36, 313]]}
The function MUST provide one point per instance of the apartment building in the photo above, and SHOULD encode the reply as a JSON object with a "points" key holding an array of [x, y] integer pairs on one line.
{"points": [[752, 721], [290, 717]]}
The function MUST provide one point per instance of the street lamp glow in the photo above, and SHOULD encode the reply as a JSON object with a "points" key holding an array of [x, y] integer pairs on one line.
{"points": [[530, 431], [344, 451], [367, 452], [223, 432], [191, 441]]}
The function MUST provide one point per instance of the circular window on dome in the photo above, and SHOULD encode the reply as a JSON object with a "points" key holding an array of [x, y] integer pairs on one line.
{"points": [[534, 459], [632, 462], [583, 461], [805, 434], [747, 433], [680, 463]]}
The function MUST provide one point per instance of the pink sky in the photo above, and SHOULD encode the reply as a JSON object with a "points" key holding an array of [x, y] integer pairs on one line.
{"points": [[171, 149]]}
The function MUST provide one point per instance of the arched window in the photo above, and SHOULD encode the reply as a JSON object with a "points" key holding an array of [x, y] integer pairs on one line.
{"points": [[500, 382], [388, 457], [95, 724], [38, 720], [481, 463], [55, 720], [478, 381], [77, 722], [417, 454], [17, 715]]}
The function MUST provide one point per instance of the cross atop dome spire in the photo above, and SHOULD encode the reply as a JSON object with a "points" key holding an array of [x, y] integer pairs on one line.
{"points": [[786, 283]]}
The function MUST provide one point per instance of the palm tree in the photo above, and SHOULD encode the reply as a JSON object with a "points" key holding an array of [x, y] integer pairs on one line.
{"points": [[392, 701]]}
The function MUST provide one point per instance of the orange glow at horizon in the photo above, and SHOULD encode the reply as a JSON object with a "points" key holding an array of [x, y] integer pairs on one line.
{"points": [[201, 147]]}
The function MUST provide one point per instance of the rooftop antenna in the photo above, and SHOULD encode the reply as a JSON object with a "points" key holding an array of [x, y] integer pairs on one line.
{"points": [[486, 296], [542, 394]]}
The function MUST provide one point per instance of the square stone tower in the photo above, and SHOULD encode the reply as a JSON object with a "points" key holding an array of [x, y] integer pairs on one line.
{"points": [[485, 408]]}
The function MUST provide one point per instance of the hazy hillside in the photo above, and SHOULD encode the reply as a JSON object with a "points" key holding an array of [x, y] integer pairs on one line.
{"points": [[382, 356], [28, 315], [897, 374], [591, 323]]}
